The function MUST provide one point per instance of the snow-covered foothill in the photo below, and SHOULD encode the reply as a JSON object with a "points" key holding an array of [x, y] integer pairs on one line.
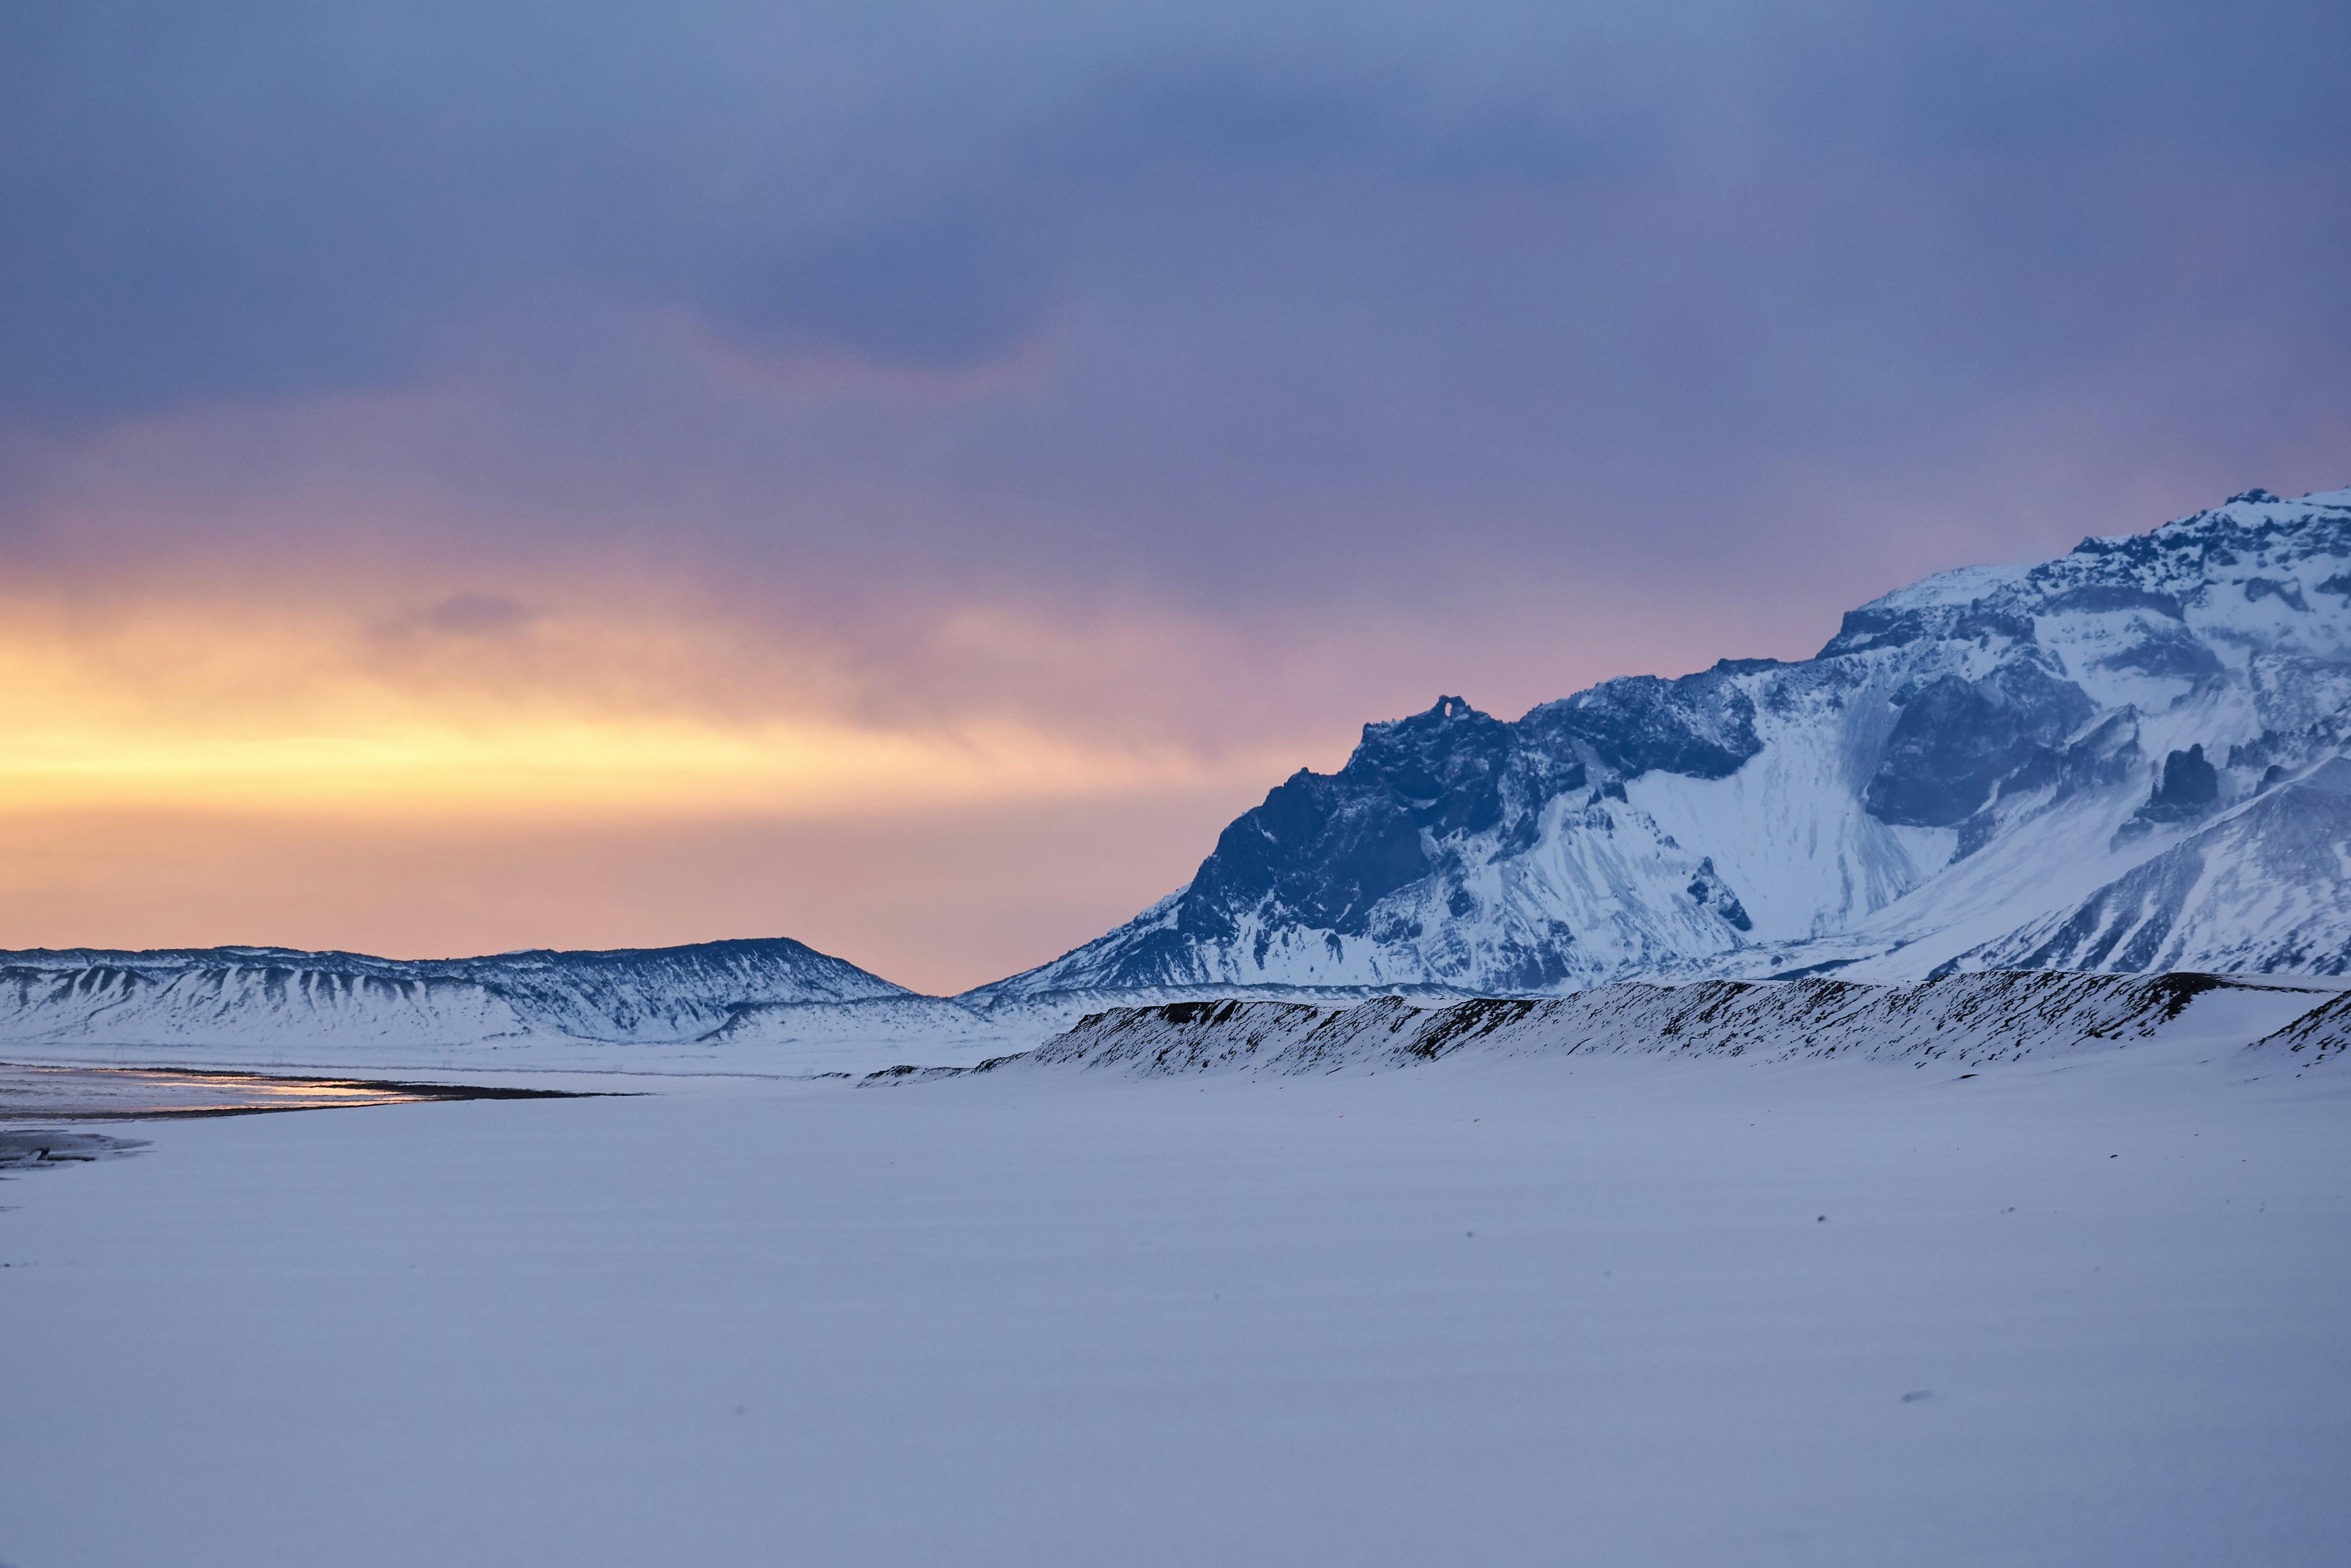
{"points": [[1971, 1018]]}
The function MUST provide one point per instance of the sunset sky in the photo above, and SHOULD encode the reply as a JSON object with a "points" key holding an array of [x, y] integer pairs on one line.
{"points": [[902, 475]]}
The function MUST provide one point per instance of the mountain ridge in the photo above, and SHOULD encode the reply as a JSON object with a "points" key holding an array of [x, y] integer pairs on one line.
{"points": [[237, 994], [1972, 1019], [1980, 755]]}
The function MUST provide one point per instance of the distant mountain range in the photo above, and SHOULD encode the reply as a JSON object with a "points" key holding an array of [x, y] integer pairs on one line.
{"points": [[2134, 757], [227, 996]]}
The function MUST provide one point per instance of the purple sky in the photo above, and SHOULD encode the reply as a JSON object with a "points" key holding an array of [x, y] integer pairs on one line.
{"points": [[1152, 391]]}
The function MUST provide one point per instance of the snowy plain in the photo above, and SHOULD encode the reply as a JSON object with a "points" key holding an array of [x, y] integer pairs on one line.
{"points": [[1655, 1310]]}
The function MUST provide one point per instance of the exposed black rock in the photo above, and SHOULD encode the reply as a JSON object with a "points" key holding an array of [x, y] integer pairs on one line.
{"points": [[1323, 849], [2167, 652], [2190, 787], [1701, 725], [1958, 740]]}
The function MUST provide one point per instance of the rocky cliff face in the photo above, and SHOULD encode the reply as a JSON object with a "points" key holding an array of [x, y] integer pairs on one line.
{"points": [[2123, 758]]}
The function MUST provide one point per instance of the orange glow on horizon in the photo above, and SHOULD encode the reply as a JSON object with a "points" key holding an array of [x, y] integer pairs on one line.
{"points": [[199, 768], [164, 710], [537, 767], [605, 759]]}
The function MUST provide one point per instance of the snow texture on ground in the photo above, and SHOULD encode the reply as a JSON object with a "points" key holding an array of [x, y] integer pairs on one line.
{"points": [[1659, 1310]]}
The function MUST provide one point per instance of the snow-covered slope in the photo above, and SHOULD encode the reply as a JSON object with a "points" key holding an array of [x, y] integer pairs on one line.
{"points": [[1962, 1019], [2267, 888], [2127, 758], [245, 995], [2322, 1031]]}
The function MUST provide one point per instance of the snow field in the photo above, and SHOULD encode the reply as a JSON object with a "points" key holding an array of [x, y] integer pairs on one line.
{"points": [[1493, 1310]]}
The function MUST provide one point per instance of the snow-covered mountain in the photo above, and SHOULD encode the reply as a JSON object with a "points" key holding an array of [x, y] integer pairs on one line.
{"points": [[246, 995], [2128, 758]]}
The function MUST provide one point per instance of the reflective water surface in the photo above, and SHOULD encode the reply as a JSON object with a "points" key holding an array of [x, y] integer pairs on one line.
{"points": [[50, 1094]]}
